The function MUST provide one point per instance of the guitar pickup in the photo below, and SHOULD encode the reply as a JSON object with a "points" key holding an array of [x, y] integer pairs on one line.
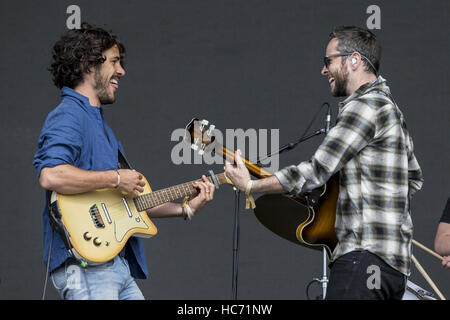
{"points": [[96, 217]]}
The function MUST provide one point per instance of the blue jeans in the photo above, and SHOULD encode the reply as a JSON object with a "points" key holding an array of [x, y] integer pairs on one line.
{"points": [[108, 281]]}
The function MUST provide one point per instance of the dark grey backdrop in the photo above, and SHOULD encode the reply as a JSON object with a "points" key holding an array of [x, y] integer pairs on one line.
{"points": [[241, 64]]}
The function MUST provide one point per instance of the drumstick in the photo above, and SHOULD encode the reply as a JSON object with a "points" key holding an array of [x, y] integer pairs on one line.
{"points": [[425, 275], [427, 250]]}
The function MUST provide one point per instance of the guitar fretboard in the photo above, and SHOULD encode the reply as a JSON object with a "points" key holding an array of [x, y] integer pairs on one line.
{"points": [[153, 199]]}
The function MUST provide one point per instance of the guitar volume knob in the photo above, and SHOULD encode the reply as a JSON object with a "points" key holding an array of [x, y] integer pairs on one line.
{"points": [[97, 241], [87, 236]]}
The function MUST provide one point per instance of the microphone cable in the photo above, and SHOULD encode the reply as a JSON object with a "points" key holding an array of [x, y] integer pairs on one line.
{"points": [[291, 145]]}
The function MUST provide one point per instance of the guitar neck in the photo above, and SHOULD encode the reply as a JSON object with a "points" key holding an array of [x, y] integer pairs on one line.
{"points": [[156, 198], [254, 169]]}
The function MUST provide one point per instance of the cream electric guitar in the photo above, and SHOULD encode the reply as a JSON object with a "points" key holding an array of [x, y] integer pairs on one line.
{"points": [[96, 225]]}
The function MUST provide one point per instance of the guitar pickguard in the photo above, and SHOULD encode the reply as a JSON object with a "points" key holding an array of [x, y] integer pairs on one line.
{"points": [[123, 226]]}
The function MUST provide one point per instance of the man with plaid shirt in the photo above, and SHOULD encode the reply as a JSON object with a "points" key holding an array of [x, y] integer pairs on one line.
{"points": [[372, 150]]}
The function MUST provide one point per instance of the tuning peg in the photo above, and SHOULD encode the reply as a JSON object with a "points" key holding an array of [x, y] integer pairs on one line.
{"points": [[202, 149], [195, 144], [210, 130], [203, 124]]}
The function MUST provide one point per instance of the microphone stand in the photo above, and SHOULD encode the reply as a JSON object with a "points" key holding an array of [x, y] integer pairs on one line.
{"points": [[290, 146], [235, 244], [324, 279]]}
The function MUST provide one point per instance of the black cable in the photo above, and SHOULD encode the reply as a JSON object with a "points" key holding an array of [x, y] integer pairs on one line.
{"points": [[48, 266], [314, 119], [291, 145], [319, 297]]}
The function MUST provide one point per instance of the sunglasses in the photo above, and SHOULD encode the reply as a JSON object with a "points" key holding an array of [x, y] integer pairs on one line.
{"points": [[327, 59]]}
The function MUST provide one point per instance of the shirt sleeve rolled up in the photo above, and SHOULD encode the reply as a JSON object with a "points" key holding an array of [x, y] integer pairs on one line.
{"points": [[60, 141]]}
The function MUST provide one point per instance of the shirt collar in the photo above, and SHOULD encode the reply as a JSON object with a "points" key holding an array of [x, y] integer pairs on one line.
{"points": [[363, 89], [84, 101]]}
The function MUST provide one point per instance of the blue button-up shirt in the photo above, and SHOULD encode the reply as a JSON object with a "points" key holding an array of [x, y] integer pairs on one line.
{"points": [[76, 133]]}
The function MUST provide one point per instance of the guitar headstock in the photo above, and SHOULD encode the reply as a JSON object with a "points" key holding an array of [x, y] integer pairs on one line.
{"points": [[199, 133]]}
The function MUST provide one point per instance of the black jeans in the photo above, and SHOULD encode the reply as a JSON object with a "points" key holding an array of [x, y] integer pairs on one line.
{"points": [[362, 275]]}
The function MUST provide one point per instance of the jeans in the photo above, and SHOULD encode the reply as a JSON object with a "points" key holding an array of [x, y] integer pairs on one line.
{"points": [[108, 281], [362, 275]]}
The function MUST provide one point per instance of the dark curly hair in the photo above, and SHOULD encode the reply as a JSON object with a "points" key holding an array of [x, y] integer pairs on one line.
{"points": [[79, 51]]}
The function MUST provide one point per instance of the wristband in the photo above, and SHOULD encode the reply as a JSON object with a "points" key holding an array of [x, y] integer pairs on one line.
{"points": [[118, 179], [186, 210], [248, 197]]}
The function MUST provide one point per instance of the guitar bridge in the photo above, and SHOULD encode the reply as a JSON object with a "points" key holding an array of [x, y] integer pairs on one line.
{"points": [[96, 217]]}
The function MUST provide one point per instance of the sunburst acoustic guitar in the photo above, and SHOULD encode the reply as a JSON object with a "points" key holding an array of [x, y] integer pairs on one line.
{"points": [[306, 219]]}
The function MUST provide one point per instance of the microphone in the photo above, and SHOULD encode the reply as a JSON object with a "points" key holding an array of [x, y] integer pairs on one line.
{"points": [[328, 119]]}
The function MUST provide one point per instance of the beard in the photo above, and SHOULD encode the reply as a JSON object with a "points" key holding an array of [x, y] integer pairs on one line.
{"points": [[102, 87], [340, 83]]}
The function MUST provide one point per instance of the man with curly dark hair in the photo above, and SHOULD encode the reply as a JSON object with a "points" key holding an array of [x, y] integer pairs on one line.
{"points": [[78, 152], [80, 51]]}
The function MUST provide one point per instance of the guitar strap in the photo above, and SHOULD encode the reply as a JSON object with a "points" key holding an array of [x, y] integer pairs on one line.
{"points": [[123, 162], [54, 217]]}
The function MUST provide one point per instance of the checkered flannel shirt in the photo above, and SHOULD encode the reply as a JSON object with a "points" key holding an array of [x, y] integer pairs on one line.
{"points": [[372, 150]]}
